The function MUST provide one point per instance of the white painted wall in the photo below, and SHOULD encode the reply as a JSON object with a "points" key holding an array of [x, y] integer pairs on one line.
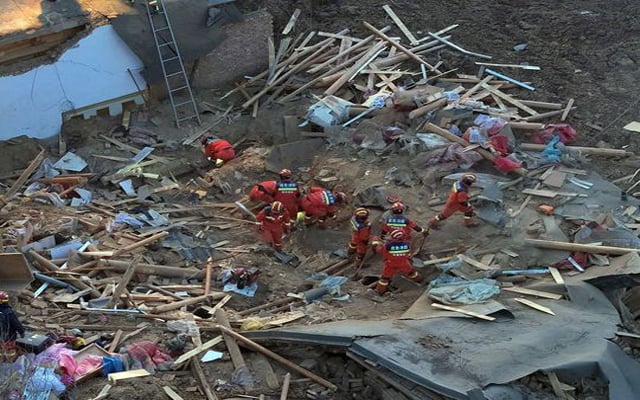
{"points": [[94, 70]]}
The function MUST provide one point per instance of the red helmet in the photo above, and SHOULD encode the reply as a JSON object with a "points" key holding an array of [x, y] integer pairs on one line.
{"points": [[397, 207], [468, 179], [398, 235], [285, 174], [361, 213], [4, 298], [276, 207]]}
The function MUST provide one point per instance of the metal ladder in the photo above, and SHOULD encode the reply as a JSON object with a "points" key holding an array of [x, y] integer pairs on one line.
{"points": [[182, 102]]}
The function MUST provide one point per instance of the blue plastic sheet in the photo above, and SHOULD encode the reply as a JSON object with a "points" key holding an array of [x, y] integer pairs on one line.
{"points": [[453, 290]]}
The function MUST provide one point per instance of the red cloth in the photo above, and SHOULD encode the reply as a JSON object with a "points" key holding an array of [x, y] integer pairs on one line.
{"points": [[458, 201], [505, 164], [267, 195], [500, 143], [288, 193], [319, 203], [221, 149], [566, 132], [273, 226], [395, 221], [360, 234]]}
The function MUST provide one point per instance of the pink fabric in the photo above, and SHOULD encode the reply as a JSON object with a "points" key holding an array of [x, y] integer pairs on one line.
{"points": [[566, 132], [88, 364], [505, 164]]}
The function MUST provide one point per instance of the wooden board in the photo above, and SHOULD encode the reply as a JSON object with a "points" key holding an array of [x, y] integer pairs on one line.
{"points": [[474, 263], [172, 395], [194, 352], [487, 259], [535, 306], [632, 126], [555, 179], [565, 113], [532, 292], [462, 311], [115, 377], [557, 277], [403, 28]]}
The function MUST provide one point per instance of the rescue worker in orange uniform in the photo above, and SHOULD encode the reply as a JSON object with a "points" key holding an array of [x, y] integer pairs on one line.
{"points": [[264, 191], [397, 220], [360, 234], [284, 190], [320, 204], [218, 150], [288, 192], [396, 254], [458, 201], [274, 223]]}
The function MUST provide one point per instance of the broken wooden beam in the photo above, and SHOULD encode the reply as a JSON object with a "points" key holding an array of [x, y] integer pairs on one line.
{"points": [[196, 366], [288, 364], [596, 151], [584, 248], [186, 302], [232, 346], [194, 352], [115, 377], [433, 128], [152, 269]]}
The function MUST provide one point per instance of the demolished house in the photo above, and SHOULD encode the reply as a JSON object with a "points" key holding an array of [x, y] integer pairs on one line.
{"points": [[134, 264]]}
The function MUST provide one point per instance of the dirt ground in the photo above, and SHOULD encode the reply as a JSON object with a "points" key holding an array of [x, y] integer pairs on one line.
{"points": [[587, 51]]}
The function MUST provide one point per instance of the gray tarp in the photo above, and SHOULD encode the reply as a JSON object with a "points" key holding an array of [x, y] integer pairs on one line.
{"points": [[479, 353]]}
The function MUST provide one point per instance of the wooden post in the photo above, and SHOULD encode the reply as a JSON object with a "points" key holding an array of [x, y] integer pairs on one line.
{"points": [[152, 269], [22, 179], [207, 277], [122, 285], [186, 302], [141, 243], [585, 248], [256, 347], [279, 302], [232, 346]]}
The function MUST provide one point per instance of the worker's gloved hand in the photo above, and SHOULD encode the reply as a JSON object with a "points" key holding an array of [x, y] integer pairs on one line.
{"points": [[332, 216], [426, 232], [300, 217], [219, 162], [376, 241]]}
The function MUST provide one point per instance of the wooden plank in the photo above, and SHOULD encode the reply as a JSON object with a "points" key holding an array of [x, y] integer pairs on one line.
{"points": [[172, 395], [113, 346], [474, 263], [534, 305], [262, 364], [628, 334], [272, 56], [487, 259], [565, 113], [462, 311], [403, 28], [633, 126], [285, 386], [33, 165], [556, 386], [585, 150], [533, 292], [115, 377], [195, 351], [202, 378], [292, 22], [285, 362], [232, 346], [122, 285], [476, 87], [586, 248], [542, 116], [510, 99], [104, 393], [557, 276], [555, 179], [401, 48], [574, 171]]}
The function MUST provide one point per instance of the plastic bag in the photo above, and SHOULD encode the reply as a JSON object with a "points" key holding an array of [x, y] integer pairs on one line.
{"points": [[474, 135], [492, 126], [111, 364]]}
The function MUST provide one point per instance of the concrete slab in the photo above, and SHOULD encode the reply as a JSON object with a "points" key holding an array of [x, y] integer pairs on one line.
{"points": [[33, 102]]}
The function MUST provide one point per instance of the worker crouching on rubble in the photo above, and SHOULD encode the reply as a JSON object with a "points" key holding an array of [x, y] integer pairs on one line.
{"points": [[285, 191], [397, 220], [396, 254], [321, 204], [10, 326], [458, 201], [218, 150], [360, 234], [274, 223]]}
